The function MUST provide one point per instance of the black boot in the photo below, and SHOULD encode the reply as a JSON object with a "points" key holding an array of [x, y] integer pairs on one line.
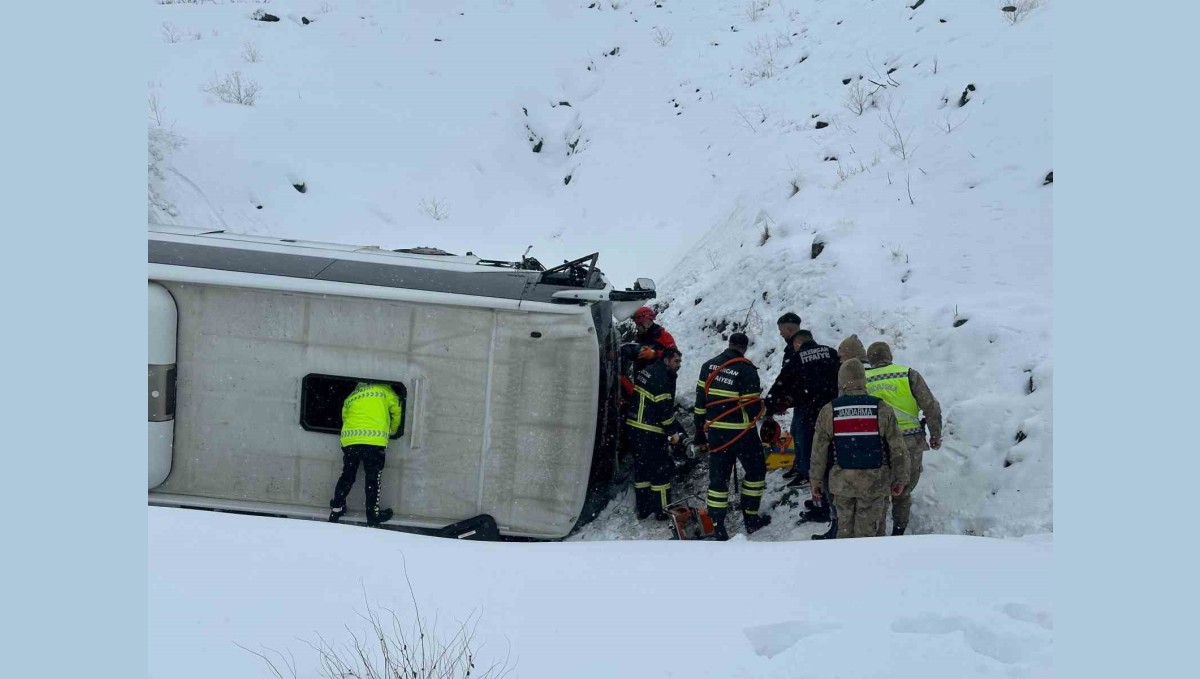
{"points": [[898, 530], [376, 518], [809, 504], [660, 498], [719, 532], [818, 515], [643, 503], [828, 535], [336, 513], [755, 522]]}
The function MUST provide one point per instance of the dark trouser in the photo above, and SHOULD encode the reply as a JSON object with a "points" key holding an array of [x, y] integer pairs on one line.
{"points": [[802, 437], [372, 458], [749, 451], [652, 470]]}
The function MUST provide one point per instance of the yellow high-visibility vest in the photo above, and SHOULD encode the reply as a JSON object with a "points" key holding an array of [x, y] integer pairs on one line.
{"points": [[890, 383]]}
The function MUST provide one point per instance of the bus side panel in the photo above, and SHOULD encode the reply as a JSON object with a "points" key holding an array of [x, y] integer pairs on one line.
{"points": [[243, 354], [542, 420]]}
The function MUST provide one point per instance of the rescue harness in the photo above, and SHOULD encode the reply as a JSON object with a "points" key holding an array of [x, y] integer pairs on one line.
{"points": [[743, 402]]}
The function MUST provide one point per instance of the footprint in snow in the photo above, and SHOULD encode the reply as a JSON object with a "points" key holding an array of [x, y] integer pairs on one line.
{"points": [[981, 638], [771, 640], [1024, 613]]}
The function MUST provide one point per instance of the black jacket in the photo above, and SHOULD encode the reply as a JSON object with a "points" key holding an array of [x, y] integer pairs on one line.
{"points": [[736, 380], [653, 405], [808, 378]]}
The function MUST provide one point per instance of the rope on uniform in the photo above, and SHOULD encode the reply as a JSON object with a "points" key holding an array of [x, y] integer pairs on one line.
{"points": [[742, 401]]}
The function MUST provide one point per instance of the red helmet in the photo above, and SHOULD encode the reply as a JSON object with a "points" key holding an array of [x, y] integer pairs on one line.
{"points": [[644, 314]]}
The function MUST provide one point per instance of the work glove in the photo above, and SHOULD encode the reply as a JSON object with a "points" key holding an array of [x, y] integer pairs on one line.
{"points": [[647, 354], [626, 385]]}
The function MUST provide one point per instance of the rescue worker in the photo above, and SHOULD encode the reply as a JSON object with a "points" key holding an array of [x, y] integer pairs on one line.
{"points": [[807, 380], [370, 417], [852, 347], [905, 390], [858, 441], [651, 419], [652, 338], [787, 324], [731, 437]]}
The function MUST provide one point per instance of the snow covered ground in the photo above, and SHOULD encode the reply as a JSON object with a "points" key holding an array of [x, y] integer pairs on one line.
{"points": [[708, 145], [919, 606]]}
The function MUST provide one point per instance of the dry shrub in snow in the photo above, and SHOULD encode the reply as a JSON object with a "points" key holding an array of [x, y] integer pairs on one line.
{"points": [[250, 53], [858, 99], [1014, 12], [897, 137], [390, 649], [436, 208], [234, 90], [170, 33], [755, 8], [160, 144], [662, 36]]}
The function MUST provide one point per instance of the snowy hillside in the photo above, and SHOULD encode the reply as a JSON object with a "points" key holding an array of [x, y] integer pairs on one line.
{"points": [[709, 145]]}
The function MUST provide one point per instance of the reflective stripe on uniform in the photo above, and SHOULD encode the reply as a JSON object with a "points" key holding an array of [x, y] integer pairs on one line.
{"points": [[652, 397], [642, 425], [753, 488], [890, 383], [887, 376], [374, 433], [738, 426]]}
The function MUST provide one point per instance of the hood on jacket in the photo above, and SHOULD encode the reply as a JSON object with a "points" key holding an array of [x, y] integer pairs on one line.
{"points": [[851, 347], [852, 377], [879, 354]]}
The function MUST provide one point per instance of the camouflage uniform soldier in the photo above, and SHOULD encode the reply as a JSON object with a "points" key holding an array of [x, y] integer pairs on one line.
{"points": [[858, 438], [906, 392], [852, 347]]}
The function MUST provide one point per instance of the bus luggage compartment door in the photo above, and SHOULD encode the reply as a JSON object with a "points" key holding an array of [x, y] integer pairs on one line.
{"points": [[163, 318]]}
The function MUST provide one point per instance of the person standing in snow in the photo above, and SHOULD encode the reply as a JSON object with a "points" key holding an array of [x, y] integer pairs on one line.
{"points": [[852, 347], [652, 339], [727, 408], [807, 380], [370, 417], [905, 390], [778, 401], [651, 420], [858, 442]]}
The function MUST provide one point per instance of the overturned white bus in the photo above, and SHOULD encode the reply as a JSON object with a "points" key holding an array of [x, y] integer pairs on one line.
{"points": [[507, 372]]}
